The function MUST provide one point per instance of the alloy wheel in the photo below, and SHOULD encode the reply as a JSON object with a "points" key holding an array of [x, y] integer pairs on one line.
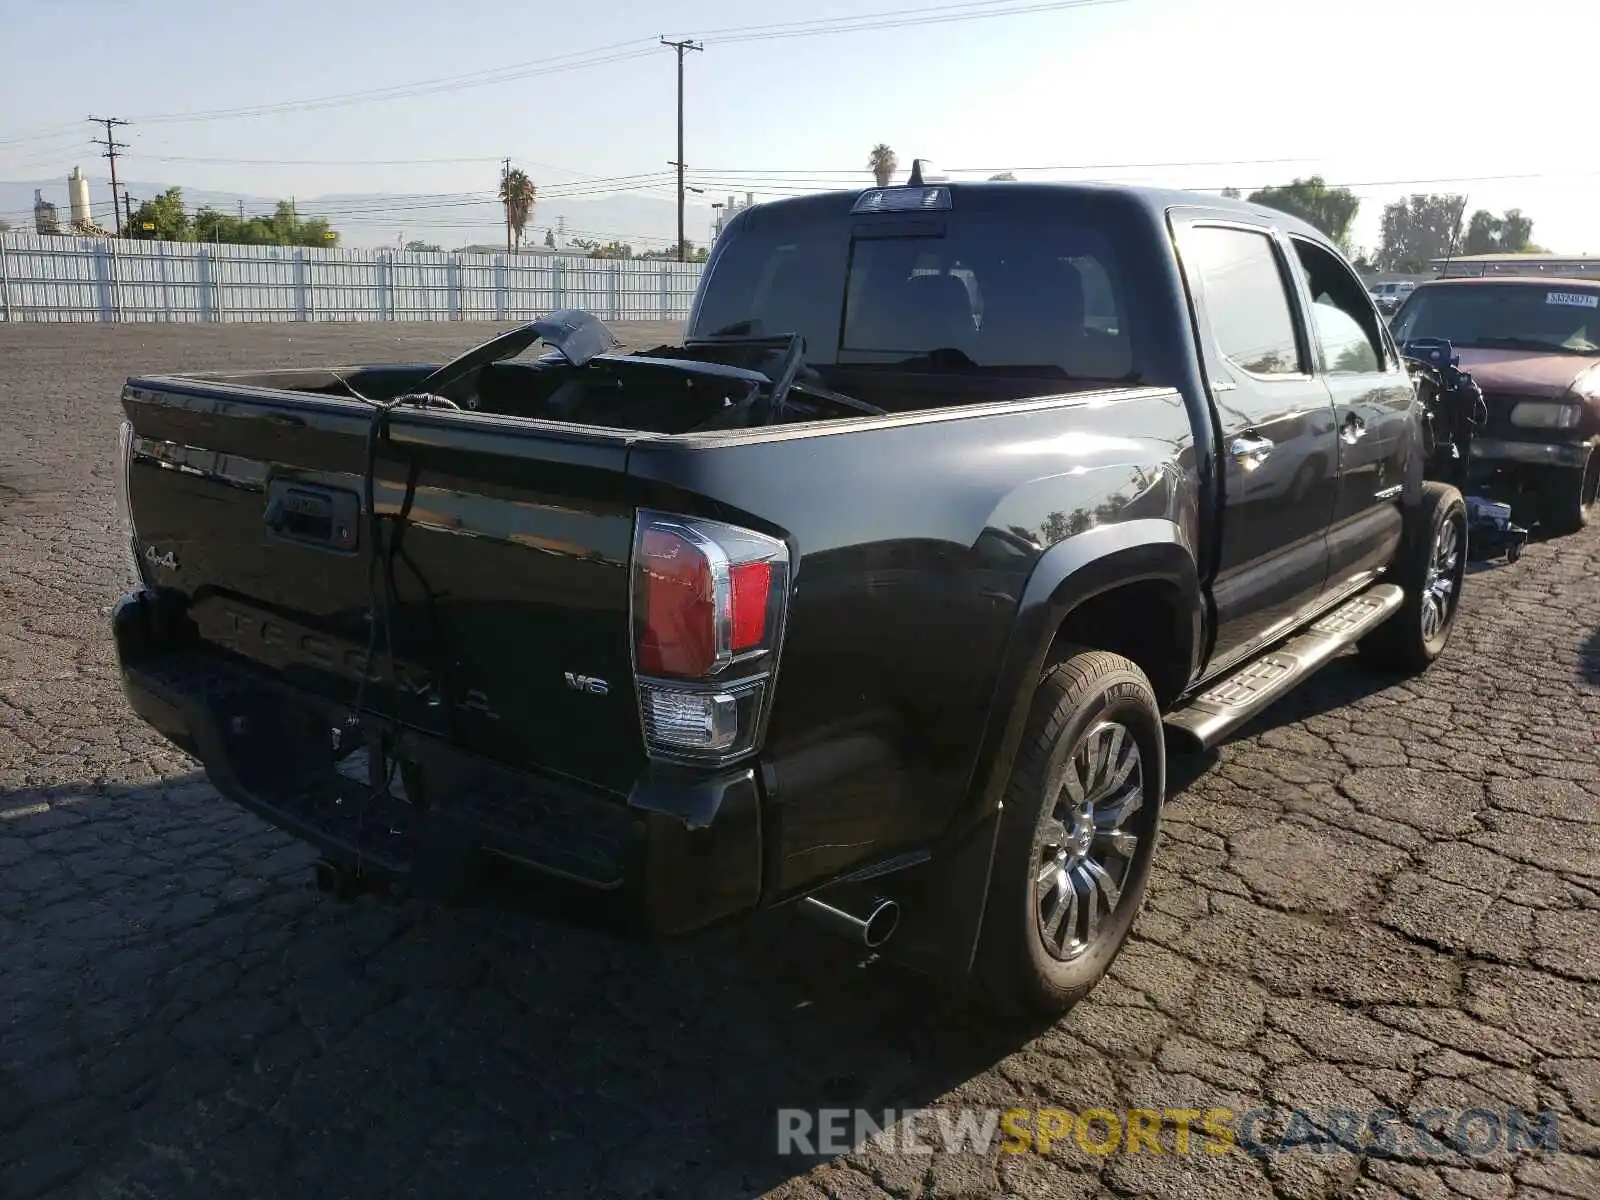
{"points": [[1087, 840], [1441, 587]]}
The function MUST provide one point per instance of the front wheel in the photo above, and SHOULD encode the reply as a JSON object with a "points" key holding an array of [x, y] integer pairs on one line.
{"points": [[1073, 856], [1431, 567], [1568, 496]]}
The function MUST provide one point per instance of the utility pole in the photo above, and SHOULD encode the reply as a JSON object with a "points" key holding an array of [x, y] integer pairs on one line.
{"points": [[111, 147], [680, 47], [127, 207], [505, 200]]}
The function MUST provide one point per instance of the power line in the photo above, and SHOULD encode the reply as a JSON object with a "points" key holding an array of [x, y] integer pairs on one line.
{"points": [[312, 162], [822, 172], [409, 203], [55, 131], [556, 64], [401, 205], [623, 51], [869, 21], [803, 187]]}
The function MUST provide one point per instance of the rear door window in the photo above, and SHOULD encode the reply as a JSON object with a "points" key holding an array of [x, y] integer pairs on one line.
{"points": [[1341, 315], [1246, 301]]}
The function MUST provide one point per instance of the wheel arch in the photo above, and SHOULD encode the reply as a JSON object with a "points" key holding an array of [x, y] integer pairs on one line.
{"points": [[1100, 590], [1074, 588]]}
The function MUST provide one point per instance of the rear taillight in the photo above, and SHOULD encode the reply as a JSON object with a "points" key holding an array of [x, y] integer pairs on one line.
{"points": [[130, 534], [709, 601]]}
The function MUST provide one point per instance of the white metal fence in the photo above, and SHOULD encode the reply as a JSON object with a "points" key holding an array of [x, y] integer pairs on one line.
{"points": [[111, 280]]}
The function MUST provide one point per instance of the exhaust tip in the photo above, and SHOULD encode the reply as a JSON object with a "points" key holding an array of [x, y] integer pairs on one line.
{"points": [[872, 929], [881, 922]]}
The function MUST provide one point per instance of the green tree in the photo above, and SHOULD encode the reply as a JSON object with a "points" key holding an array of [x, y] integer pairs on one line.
{"points": [[166, 215], [1511, 233], [1516, 233], [518, 194], [882, 163], [1418, 229], [1483, 233], [550, 238], [1004, 176], [691, 252], [1329, 209], [1230, 193], [5, 225], [613, 249], [423, 248], [284, 227]]}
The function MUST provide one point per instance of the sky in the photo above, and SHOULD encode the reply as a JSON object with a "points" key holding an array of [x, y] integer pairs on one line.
{"points": [[1183, 93]]}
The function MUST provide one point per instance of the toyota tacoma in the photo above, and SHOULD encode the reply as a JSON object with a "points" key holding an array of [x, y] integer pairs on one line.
{"points": [[883, 592]]}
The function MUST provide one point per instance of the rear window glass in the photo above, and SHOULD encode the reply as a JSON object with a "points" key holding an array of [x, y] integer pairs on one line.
{"points": [[1002, 295], [1556, 317]]}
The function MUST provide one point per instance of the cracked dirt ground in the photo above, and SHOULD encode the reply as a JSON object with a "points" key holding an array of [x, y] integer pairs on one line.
{"points": [[1378, 895]]}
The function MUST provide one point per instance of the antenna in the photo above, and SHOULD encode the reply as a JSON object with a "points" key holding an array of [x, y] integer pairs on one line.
{"points": [[1455, 235]]}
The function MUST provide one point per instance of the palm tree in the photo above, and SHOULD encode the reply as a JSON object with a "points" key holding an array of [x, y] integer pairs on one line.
{"points": [[518, 194], [882, 162]]}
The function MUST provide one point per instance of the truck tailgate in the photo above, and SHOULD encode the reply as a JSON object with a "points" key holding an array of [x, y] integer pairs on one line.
{"points": [[509, 572]]}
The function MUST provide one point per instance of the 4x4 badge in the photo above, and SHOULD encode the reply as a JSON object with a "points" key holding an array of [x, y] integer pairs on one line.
{"points": [[160, 560]]}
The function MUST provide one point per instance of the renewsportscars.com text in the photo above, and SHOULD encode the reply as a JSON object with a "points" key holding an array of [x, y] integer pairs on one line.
{"points": [[1380, 1133]]}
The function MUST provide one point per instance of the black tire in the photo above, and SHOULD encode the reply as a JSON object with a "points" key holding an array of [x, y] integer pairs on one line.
{"points": [[1080, 703], [1408, 641], [1567, 497]]}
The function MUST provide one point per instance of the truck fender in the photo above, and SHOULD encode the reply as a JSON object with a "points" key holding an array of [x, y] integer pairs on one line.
{"points": [[1068, 574]]}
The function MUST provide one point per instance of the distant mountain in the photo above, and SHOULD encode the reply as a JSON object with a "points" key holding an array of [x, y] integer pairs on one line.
{"points": [[376, 219]]}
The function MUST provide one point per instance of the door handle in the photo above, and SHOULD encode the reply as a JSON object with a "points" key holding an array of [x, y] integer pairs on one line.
{"points": [[1250, 450], [1353, 430]]}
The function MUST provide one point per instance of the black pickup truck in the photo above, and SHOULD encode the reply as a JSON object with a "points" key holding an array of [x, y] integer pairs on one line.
{"points": [[884, 591]]}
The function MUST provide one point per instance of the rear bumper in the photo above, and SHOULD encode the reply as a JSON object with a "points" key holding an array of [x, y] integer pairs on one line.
{"points": [[679, 852]]}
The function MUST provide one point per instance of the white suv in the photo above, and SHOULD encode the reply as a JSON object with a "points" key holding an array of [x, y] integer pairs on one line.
{"points": [[1390, 296]]}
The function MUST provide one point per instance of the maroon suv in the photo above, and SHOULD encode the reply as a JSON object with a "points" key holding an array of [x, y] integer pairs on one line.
{"points": [[1533, 344]]}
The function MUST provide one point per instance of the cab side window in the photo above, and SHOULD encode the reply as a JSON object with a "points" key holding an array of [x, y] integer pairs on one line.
{"points": [[1342, 316], [1246, 302]]}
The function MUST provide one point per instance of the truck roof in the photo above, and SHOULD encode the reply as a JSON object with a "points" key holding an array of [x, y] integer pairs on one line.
{"points": [[993, 195]]}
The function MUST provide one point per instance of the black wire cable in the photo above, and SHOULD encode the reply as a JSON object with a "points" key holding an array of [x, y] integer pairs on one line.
{"points": [[382, 601]]}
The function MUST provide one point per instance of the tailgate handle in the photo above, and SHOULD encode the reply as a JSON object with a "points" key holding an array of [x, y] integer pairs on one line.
{"points": [[316, 516]]}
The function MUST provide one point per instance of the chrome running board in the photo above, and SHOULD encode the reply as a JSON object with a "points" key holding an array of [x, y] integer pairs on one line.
{"points": [[1243, 693]]}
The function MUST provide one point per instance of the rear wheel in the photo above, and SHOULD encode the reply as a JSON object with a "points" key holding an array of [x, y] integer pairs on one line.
{"points": [[1567, 497], [1082, 810], [1431, 568]]}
